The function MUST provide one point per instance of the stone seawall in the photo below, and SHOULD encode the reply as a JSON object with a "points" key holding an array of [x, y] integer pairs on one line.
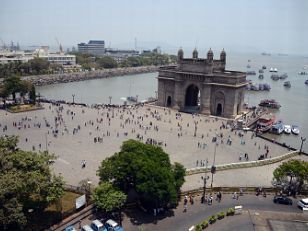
{"points": [[40, 80]]}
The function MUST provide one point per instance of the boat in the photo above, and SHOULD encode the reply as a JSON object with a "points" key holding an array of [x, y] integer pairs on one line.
{"points": [[287, 84], [263, 67], [283, 76], [273, 69], [132, 98], [277, 127], [248, 66], [303, 73], [287, 129], [270, 103], [250, 73], [275, 77], [306, 82], [295, 129], [265, 122], [261, 71], [261, 76]]}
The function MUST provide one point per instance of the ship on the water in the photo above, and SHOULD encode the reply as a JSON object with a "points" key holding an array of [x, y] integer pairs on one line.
{"points": [[270, 103], [265, 122]]}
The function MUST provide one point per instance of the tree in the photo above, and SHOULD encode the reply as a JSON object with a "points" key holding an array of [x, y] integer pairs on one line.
{"points": [[107, 62], [108, 198], [39, 65], [26, 182], [291, 176], [32, 94], [145, 169]]}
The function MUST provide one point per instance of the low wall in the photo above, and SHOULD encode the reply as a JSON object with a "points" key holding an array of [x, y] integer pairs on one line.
{"points": [[248, 164], [40, 80]]}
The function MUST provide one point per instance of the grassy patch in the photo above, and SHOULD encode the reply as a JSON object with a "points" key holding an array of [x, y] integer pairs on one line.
{"points": [[23, 108]]}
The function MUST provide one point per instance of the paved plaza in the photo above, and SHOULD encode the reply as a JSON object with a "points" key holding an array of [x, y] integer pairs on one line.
{"points": [[70, 132]]}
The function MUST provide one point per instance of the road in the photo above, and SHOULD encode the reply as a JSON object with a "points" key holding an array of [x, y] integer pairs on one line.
{"points": [[178, 220]]}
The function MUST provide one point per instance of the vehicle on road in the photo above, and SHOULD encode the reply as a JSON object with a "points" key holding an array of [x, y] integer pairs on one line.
{"points": [[283, 200], [86, 228], [70, 228], [111, 225], [303, 203], [96, 225]]}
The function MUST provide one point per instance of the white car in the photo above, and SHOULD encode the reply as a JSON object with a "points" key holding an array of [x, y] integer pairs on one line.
{"points": [[303, 203]]}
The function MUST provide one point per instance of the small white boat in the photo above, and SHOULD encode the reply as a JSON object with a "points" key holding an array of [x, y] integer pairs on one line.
{"points": [[273, 69], [295, 129], [287, 129]]}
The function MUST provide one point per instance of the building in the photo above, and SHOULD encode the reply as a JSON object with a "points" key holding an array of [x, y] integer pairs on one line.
{"points": [[120, 55], [94, 47], [203, 86], [7, 56]]}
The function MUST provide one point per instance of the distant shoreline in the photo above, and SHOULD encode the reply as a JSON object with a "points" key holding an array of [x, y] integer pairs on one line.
{"points": [[41, 80]]}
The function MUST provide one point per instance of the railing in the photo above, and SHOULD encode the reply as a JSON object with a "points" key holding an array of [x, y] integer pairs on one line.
{"points": [[248, 164]]}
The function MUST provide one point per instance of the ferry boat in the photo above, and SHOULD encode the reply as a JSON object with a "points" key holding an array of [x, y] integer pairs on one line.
{"points": [[306, 82], [287, 129], [283, 76], [270, 103], [295, 129], [277, 128], [287, 84], [132, 99], [265, 122], [261, 71], [261, 76], [275, 77], [250, 73], [263, 67], [303, 73]]}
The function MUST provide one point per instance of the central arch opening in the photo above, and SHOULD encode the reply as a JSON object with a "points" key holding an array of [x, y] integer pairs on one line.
{"points": [[191, 96], [192, 99]]}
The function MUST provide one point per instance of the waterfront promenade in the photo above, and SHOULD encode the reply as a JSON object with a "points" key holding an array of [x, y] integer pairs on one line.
{"points": [[77, 134]]}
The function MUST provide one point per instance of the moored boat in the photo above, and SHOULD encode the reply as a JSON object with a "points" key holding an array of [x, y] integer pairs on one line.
{"points": [[264, 67], [273, 69], [287, 84], [261, 71], [250, 73], [131, 98], [261, 76], [287, 129], [295, 129], [270, 103], [275, 77], [283, 76], [306, 82], [265, 122], [277, 128]]}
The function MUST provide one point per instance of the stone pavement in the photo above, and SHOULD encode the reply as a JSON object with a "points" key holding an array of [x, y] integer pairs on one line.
{"points": [[73, 129]]}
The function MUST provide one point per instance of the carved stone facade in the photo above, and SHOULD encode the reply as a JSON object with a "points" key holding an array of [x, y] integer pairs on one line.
{"points": [[202, 86]]}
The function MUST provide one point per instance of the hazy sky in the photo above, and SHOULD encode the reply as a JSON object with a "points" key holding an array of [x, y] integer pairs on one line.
{"points": [[261, 25]]}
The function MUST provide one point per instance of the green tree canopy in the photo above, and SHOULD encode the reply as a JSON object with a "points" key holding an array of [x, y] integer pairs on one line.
{"points": [[147, 170], [291, 176], [26, 183], [108, 198], [39, 65], [106, 62]]}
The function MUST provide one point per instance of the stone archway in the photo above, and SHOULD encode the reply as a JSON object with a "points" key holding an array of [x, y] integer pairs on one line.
{"points": [[191, 96], [169, 101], [219, 103]]}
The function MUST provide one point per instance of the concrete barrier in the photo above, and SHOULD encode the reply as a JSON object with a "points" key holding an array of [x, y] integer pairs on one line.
{"points": [[238, 165]]}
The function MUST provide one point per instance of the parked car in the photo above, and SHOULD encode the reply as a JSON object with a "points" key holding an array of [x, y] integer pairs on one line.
{"points": [[70, 228], [111, 225], [86, 228], [96, 225], [303, 203], [283, 200]]}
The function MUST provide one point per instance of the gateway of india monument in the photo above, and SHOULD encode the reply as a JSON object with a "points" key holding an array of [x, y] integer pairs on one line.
{"points": [[198, 85]]}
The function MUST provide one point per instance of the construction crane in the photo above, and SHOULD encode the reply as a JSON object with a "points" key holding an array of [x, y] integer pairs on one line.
{"points": [[3, 44], [60, 46]]}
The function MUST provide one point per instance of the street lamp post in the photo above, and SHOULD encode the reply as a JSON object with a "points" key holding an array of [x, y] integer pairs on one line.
{"points": [[213, 169], [205, 178], [303, 140], [110, 97], [195, 133], [73, 95]]}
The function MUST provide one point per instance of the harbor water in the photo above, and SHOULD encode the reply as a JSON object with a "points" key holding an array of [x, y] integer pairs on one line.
{"points": [[293, 100]]}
